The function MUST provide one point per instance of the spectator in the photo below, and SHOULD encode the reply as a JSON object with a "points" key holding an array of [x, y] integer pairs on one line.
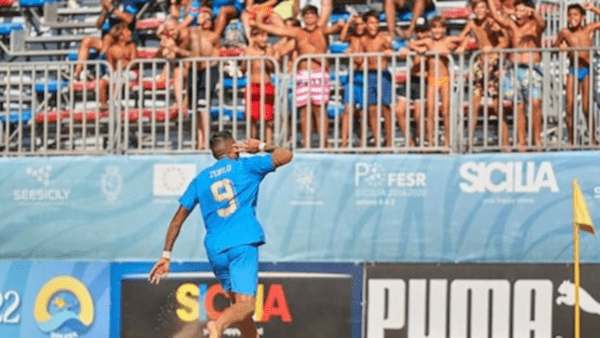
{"points": [[412, 89], [394, 9], [525, 80], [286, 46], [120, 56], [176, 44], [353, 32], [261, 98], [379, 80], [578, 35], [113, 12], [312, 85], [205, 42], [255, 6], [438, 75], [489, 35], [286, 53]]}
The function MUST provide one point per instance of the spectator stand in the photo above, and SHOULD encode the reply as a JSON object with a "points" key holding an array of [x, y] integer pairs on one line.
{"points": [[44, 113], [53, 29], [152, 119]]}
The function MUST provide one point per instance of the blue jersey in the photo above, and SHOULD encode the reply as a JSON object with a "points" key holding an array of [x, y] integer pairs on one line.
{"points": [[227, 193]]}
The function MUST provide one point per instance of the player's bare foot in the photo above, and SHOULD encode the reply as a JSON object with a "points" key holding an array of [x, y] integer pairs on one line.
{"points": [[213, 330]]}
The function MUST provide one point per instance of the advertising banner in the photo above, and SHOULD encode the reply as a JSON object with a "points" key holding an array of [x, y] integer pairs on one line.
{"points": [[479, 300], [54, 299], [510, 208], [292, 300]]}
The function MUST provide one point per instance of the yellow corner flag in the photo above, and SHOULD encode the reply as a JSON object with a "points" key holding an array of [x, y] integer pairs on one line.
{"points": [[581, 214]]}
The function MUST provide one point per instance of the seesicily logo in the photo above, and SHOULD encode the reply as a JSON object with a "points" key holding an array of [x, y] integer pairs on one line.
{"points": [[64, 308]]}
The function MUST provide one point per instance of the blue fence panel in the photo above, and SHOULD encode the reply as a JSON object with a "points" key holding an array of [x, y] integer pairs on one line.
{"points": [[400, 208]]}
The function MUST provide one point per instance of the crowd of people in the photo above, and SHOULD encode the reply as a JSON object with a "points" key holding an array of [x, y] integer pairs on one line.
{"points": [[195, 29]]}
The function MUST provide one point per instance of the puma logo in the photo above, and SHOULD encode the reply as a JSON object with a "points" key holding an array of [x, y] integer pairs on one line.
{"points": [[566, 296]]}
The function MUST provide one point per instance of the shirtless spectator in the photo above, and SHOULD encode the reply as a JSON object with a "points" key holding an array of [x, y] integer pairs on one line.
{"points": [[113, 12], [395, 8], [119, 56], [205, 42], [438, 75], [578, 35], [261, 98], [412, 94], [175, 45], [312, 83], [286, 46], [379, 88], [489, 36], [352, 33], [524, 80]]}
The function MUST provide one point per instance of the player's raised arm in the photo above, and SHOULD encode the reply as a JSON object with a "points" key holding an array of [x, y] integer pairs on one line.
{"points": [[161, 268], [281, 156]]}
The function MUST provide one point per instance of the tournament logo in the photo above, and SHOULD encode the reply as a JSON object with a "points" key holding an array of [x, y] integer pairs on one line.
{"points": [[44, 191], [64, 308], [307, 180], [171, 180], [376, 184], [111, 183]]}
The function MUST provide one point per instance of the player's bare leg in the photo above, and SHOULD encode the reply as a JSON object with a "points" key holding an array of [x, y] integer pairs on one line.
{"points": [[240, 311]]}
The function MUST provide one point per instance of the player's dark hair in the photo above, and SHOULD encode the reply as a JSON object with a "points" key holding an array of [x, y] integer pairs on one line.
{"points": [[369, 14], [577, 7], [310, 9], [217, 141]]}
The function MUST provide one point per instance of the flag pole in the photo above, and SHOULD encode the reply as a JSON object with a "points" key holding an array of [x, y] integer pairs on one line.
{"points": [[577, 322], [581, 221]]}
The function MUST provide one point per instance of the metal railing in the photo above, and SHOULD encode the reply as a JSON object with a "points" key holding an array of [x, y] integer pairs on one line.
{"points": [[44, 111], [375, 103]]}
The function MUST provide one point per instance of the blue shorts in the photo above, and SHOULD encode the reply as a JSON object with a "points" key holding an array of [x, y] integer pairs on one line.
{"points": [[525, 83], [357, 91], [237, 269], [582, 72], [373, 88]]}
